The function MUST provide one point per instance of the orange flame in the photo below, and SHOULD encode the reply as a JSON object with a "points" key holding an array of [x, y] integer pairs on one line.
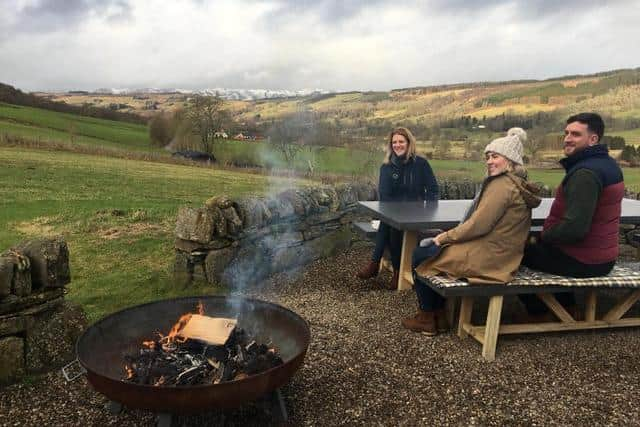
{"points": [[149, 344], [130, 371]]}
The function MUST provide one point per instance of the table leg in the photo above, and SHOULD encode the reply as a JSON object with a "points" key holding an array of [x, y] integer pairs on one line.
{"points": [[409, 243]]}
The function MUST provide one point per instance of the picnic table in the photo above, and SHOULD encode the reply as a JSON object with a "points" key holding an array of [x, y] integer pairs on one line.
{"points": [[410, 217]]}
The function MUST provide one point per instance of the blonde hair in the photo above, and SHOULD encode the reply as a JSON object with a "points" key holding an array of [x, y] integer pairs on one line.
{"points": [[411, 148]]}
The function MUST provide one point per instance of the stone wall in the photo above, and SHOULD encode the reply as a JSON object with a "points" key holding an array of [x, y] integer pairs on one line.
{"points": [[38, 328], [240, 241], [243, 240]]}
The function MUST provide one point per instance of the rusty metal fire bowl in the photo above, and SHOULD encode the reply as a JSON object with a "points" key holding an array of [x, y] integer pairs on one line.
{"points": [[101, 350]]}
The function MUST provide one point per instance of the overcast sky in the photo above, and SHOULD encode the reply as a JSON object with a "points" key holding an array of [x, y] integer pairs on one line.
{"points": [[297, 44]]}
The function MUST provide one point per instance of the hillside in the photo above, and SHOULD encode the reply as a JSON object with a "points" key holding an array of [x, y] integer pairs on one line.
{"points": [[37, 123], [615, 94]]}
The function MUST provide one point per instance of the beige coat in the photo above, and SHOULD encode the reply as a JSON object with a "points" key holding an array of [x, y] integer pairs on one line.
{"points": [[488, 246]]}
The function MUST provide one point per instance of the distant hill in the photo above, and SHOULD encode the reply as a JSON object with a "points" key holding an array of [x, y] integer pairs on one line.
{"points": [[540, 104]]}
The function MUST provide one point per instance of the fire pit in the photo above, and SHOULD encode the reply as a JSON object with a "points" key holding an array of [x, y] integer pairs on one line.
{"points": [[102, 348]]}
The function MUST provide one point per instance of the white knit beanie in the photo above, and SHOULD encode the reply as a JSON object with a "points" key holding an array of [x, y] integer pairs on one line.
{"points": [[509, 146]]}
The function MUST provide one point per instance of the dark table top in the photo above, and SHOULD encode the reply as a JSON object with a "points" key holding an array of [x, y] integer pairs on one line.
{"points": [[446, 214]]}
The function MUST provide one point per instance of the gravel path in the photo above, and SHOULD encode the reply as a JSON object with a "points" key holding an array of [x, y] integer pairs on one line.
{"points": [[363, 368]]}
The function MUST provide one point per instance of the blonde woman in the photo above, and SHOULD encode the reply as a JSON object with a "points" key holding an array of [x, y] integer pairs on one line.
{"points": [[487, 247], [404, 176]]}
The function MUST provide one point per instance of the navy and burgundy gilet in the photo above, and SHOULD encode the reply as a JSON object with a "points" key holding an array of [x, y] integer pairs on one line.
{"points": [[600, 245]]}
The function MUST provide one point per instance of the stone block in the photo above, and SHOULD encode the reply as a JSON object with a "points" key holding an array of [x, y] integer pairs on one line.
{"points": [[627, 252], [233, 221], [296, 200], [326, 245], [217, 262], [12, 303], [319, 230], [347, 195], [324, 218], [195, 224], [223, 202], [51, 341], [6, 276], [14, 325], [190, 246], [250, 265], [253, 212], [633, 238], [12, 363], [280, 209], [49, 260]]}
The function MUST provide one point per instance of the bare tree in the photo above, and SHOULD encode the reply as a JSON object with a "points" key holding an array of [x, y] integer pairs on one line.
{"points": [[206, 116], [534, 143]]}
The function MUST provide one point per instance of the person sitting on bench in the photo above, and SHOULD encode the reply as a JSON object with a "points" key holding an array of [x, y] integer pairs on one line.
{"points": [[487, 246], [404, 176], [580, 235]]}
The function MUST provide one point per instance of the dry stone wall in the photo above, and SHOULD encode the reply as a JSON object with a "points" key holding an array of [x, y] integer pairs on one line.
{"points": [[38, 328], [241, 241]]}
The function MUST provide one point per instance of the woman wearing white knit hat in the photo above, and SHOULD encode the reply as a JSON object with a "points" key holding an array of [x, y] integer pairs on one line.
{"points": [[487, 246]]}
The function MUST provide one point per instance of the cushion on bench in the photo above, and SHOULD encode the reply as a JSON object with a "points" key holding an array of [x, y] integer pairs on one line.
{"points": [[622, 276]]}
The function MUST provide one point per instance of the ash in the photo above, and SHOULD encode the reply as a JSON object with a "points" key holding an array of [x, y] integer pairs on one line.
{"points": [[173, 363]]}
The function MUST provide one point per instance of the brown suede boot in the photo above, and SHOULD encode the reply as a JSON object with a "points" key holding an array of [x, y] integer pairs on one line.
{"points": [[423, 321], [442, 323], [370, 271]]}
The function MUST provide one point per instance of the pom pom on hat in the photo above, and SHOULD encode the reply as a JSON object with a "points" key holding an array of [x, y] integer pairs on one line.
{"points": [[519, 132], [509, 146]]}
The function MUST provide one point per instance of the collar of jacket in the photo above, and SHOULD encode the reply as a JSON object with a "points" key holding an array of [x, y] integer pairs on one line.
{"points": [[399, 162], [598, 150]]}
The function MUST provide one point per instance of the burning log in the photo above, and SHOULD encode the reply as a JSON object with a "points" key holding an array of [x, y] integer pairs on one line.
{"points": [[191, 355]]}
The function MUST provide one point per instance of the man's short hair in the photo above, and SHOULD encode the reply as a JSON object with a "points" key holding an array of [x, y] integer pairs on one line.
{"points": [[593, 121]]}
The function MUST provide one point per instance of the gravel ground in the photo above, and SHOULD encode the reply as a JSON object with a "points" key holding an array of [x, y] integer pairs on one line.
{"points": [[363, 368]]}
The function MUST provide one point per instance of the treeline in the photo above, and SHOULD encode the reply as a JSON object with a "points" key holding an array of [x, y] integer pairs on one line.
{"points": [[11, 95]]}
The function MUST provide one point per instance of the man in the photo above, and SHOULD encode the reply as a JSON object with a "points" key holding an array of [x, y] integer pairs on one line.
{"points": [[580, 235]]}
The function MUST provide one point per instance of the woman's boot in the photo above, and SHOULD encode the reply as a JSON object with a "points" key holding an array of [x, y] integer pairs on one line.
{"points": [[442, 323], [370, 271], [423, 321]]}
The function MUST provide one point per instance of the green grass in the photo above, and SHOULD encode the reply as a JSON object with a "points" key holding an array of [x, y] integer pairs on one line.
{"points": [[39, 123], [116, 260]]}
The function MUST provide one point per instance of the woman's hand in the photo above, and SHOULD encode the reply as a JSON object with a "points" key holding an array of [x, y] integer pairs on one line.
{"points": [[438, 238]]}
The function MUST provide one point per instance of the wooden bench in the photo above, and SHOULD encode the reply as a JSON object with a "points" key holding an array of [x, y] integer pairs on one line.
{"points": [[543, 285]]}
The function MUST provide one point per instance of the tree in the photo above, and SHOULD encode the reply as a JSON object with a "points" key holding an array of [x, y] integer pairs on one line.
{"points": [[206, 116], [534, 143], [159, 130]]}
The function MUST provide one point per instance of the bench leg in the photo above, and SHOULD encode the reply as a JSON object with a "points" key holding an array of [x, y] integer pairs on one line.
{"points": [[466, 306], [622, 307], [492, 327], [409, 243], [590, 306], [556, 308]]}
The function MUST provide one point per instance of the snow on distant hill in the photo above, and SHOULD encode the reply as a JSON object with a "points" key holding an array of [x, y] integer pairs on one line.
{"points": [[225, 93]]}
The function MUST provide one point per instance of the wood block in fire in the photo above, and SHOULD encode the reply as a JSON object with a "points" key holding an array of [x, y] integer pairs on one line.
{"points": [[212, 330]]}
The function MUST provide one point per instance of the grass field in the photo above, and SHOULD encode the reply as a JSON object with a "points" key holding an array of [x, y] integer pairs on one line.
{"points": [[116, 215], [38, 123]]}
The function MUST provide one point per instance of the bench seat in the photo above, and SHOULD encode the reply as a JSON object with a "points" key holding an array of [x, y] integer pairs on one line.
{"points": [[527, 281]]}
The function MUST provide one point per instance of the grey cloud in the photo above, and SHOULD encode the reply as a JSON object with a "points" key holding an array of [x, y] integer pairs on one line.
{"points": [[526, 9], [328, 12], [51, 15]]}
